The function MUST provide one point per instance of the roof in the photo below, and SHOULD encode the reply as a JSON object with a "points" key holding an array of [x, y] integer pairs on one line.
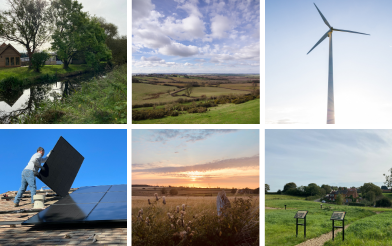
{"points": [[53, 235], [3, 47]]}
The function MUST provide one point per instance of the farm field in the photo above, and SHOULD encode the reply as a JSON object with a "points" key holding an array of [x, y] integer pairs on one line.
{"points": [[157, 90], [241, 226], [150, 191], [244, 113], [280, 223]]}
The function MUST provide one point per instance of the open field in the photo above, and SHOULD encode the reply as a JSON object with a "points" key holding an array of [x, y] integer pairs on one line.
{"points": [[149, 191], [280, 223], [25, 72], [244, 113], [243, 87], [200, 222], [145, 93], [213, 91]]}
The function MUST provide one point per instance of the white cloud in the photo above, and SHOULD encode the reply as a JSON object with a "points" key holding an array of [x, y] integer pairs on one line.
{"points": [[151, 58], [219, 26], [189, 28], [141, 9], [188, 64], [177, 49]]}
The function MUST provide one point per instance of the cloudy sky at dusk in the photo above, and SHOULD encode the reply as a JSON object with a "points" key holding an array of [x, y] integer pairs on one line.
{"points": [[214, 36], [200, 158], [335, 157]]}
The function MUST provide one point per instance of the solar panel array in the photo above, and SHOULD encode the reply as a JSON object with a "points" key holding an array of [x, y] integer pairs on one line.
{"points": [[89, 204], [61, 168]]}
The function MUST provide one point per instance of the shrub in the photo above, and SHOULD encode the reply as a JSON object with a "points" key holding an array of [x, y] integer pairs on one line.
{"points": [[356, 204], [38, 60], [10, 83], [173, 192], [383, 202], [163, 191]]}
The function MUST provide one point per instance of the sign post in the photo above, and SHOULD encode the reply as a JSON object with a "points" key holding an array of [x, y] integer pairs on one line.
{"points": [[337, 216], [300, 215]]}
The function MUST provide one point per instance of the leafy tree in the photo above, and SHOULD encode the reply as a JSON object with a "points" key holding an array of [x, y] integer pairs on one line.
{"points": [[371, 196], [267, 188], [233, 190], [289, 186], [188, 89], [256, 191], [327, 188], [370, 187], [27, 22], [279, 192], [75, 33], [384, 202], [322, 192], [312, 189], [339, 199], [39, 59], [388, 178], [173, 192]]}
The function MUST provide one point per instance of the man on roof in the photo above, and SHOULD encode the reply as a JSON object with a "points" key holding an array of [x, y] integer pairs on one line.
{"points": [[29, 173]]}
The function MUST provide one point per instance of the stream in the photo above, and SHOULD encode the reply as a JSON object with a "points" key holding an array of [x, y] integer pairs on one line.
{"points": [[23, 102]]}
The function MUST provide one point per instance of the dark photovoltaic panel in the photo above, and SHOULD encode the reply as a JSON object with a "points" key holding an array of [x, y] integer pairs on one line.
{"points": [[91, 189], [118, 188], [61, 168], [86, 205]]}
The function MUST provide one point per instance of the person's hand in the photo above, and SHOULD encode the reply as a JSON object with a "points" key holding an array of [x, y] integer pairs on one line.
{"points": [[49, 153]]}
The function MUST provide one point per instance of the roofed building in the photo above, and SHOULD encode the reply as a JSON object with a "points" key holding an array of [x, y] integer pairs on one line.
{"points": [[9, 56]]}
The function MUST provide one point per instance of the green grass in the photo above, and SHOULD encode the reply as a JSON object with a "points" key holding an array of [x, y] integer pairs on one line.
{"points": [[282, 197], [244, 113], [280, 223], [141, 91], [25, 72], [213, 91], [373, 231], [99, 101]]}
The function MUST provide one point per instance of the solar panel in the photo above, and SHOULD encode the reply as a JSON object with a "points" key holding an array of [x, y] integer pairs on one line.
{"points": [[61, 168], [86, 205]]}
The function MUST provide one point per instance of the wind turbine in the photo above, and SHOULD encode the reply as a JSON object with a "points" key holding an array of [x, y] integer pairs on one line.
{"points": [[331, 110]]}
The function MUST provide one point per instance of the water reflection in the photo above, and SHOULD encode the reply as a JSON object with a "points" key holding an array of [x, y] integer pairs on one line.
{"points": [[15, 104]]}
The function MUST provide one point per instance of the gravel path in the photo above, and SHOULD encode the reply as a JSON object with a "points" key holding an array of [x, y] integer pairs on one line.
{"points": [[319, 241]]}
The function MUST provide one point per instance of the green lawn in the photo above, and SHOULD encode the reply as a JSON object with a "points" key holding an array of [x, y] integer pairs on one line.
{"points": [[280, 223], [244, 113], [371, 231], [25, 72]]}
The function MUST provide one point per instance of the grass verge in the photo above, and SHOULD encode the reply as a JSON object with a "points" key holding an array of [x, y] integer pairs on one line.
{"points": [[25, 72], [99, 101], [244, 113]]}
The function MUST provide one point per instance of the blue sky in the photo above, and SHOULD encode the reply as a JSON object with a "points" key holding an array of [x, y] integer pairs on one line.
{"points": [[200, 158], [113, 11], [105, 153], [195, 36], [296, 83], [335, 157]]}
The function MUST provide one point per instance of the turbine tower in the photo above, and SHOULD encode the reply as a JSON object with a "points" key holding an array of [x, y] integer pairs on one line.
{"points": [[331, 110]]}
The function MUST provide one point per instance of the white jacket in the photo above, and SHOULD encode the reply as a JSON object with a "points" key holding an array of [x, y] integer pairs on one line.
{"points": [[36, 159]]}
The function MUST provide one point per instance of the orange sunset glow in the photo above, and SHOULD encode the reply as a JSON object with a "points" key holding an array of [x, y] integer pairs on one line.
{"points": [[196, 158]]}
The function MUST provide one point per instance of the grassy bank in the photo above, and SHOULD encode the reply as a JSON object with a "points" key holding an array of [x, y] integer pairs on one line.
{"points": [[98, 101], [280, 223], [244, 113], [25, 72]]}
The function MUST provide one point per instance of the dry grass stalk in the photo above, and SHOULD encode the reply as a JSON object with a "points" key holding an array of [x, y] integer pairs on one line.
{"points": [[147, 221], [156, 196], [183, 207], [149, 203], [178, 209], [164, 200]]}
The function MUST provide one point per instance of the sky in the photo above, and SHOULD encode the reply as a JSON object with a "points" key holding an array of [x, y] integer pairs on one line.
{"points": [[195, 36], [343, 158], [104, 152], [199, 158], [297, 83], [113, 11]]}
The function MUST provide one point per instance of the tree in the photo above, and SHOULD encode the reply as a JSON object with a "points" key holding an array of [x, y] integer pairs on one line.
{"points": [[289, 186], [388, 178], [339, 199], [39, 59], [28, 22], [384, 202], [327, 188], [267, 188], [312, 189], [371, 196], [370, 187], [256, 191], [279, 192], [233, 190], [188, 89], [76, 33]]}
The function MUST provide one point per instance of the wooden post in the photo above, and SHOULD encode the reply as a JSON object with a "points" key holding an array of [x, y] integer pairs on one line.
{"points": [[333, 230], [296, 228]]}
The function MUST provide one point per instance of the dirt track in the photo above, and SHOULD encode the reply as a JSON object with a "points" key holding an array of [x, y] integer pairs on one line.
{"points": [[319, 241]]}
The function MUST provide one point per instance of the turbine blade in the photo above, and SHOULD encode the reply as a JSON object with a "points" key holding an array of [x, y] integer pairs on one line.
{"points": [[321, 40], [322, 16], [349, 31]]}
